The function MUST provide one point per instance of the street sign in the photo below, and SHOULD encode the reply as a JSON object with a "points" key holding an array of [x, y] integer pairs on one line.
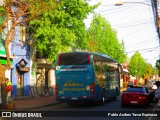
{"points": [[22, 63]]}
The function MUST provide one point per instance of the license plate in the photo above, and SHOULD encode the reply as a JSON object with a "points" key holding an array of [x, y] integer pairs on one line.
{"points": [[133, 102], [74, 98]]}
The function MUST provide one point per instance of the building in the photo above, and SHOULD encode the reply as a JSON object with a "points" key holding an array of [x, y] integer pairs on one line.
{"points": [[29, 75], [43, 75], [19, 74], [125, 75]]}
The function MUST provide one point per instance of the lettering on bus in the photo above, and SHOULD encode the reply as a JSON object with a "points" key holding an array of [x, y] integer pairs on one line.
{"points": [[73, 89], [73, 84]]}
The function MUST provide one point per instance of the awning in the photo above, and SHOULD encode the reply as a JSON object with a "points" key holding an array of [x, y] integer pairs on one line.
{"points": [[44, 66], [24, 69], [2, 52], [3, 61]]}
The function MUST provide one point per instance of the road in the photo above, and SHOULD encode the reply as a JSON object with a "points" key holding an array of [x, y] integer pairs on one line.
{"points": [[94, 112], [108, 106], [111, 110]]}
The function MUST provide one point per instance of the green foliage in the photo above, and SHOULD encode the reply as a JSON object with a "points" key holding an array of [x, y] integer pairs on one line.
{"points": [[1, 19], [154, 71], [102, 38], [62, 30], [148, 71], [137, 65], [1, 9]]}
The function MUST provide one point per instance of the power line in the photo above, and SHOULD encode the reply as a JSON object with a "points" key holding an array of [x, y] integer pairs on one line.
{"points": [[142, 49], [141, 42], [124, 26], [136, 30], [133, 7], [135, 16], [133, 22], [117, 8], [127, 10], [128, 18]]}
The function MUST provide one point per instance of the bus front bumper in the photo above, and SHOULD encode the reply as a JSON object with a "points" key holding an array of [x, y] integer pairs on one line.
{"points": [[79, 98]]}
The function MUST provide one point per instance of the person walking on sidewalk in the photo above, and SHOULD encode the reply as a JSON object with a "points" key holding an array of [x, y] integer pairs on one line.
{"points": [[157, 93], [8, 89], [157, 97]]}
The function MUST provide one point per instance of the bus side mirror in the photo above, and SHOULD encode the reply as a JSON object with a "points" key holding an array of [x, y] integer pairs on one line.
{"points": [[120, 68]]}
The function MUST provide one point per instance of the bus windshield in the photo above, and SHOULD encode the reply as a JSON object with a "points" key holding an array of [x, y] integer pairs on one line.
{"points": [[74, 59]]}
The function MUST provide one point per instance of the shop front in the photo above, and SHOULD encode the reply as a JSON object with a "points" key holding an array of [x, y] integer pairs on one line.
{"points": [[45, 79]]}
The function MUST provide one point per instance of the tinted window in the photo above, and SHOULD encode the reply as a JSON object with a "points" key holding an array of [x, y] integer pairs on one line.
{"points": [[136, 90], [74, 59]]}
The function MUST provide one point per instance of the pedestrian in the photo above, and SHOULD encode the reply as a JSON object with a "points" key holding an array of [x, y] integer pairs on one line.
{"points": [[8, 90], [157, 96], [157, 93]]}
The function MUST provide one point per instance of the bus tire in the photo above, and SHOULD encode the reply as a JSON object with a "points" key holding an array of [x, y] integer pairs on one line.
{"points": [[114, 98], [71, 103]]}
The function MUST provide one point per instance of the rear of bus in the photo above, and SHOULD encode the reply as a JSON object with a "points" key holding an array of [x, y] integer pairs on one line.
{"points": [[74, 77]]}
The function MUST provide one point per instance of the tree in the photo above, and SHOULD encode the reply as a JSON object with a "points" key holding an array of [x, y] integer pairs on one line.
{"points": [[102, 38], [137, 65], [148, 72], [155, 71], [62, 30], [18, 12]]}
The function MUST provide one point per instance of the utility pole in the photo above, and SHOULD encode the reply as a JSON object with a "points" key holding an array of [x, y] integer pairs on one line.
{"points": [[158, 31], [157, 24], [156, 16]]}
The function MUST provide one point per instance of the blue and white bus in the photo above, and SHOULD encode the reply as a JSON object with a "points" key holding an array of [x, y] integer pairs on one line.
{"points": [[87, 76]]}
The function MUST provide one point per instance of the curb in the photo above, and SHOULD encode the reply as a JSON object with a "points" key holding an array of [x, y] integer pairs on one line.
{"points": [[36, 107]]}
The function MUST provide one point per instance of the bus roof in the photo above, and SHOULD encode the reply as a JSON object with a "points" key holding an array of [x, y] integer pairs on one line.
{"points": [[96, 53], [106, 56]]}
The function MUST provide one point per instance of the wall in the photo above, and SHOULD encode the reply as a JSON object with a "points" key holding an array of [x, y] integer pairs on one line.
{"points": [[20, 51]]}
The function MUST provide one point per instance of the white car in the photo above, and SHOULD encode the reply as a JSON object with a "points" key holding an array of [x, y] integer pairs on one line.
{"points": [[154, 87]]}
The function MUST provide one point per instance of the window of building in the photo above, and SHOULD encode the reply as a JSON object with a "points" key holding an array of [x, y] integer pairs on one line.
{"points": [[22, 30]]}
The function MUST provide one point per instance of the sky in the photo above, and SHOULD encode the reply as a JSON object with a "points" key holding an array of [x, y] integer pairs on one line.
{"points": [[134, 23]]}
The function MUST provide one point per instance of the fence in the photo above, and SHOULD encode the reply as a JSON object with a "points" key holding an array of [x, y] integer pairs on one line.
{"points": [[45, 91]]}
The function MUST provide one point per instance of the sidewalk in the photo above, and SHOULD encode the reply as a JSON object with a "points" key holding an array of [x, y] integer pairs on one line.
{"points": [[28, 103]]}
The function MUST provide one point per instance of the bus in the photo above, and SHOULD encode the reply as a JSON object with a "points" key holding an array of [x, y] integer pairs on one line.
{"points": [[86, 76]]}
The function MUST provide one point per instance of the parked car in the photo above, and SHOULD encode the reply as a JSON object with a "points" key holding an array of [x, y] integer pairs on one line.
{"points": [[154, 87], [135, 96], [130, 83]]}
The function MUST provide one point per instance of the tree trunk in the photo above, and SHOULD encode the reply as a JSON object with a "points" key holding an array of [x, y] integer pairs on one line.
{"points": [[3, 85], [3, 68], [3, 94]]}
